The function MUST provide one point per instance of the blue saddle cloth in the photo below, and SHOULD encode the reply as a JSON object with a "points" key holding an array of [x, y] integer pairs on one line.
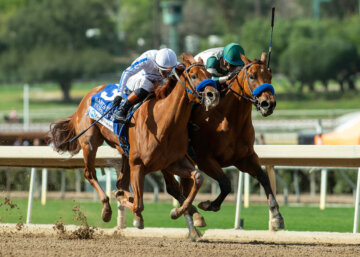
{"points": [[101, 103]]}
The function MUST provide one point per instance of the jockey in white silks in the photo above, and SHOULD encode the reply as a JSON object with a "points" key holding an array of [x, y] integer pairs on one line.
{"points": [[150, 68]]}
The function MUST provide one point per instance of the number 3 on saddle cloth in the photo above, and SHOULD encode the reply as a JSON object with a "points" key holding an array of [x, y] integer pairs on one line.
{"points": [[102, 102]]}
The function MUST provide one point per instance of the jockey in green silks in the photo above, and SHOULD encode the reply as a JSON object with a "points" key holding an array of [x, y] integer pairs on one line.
{"points": [[222, 62]]}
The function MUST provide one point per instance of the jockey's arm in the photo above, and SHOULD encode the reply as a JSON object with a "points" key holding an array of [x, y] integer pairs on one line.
{"points": [[130, 71], [211, 66]]}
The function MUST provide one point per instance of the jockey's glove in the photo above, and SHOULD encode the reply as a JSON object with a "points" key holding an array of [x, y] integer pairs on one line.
{"points": [[117, 101], [231, 75]]}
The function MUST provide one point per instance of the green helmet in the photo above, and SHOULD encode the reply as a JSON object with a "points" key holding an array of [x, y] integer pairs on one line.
{"points": [[232, 53]]}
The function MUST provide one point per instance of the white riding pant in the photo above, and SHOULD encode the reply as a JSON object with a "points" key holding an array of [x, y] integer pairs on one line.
{"points": [[139, 81]]}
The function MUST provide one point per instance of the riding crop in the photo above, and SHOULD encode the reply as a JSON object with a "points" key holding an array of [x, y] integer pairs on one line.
{"points": [[116, 103], [272, 29]]}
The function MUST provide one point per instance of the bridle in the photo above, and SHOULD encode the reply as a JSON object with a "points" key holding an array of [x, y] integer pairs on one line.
{"points": [[193, 89], [254, 93]]}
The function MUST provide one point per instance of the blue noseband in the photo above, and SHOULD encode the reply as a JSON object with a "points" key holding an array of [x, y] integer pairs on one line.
{"points": [[207, 82], [262, 88]]}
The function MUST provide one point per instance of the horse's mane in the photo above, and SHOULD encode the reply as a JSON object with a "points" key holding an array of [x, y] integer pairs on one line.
{"points": [[165, 89]]}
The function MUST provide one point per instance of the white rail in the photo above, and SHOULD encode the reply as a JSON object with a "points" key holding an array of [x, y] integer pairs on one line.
{"points": [[270, 156]]}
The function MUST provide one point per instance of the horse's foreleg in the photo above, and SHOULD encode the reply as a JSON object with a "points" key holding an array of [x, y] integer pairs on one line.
{"points": [[213, 169], [137, 179], [252, 166]]}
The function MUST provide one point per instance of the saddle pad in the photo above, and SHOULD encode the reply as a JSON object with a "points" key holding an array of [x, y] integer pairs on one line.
{"points": [[101, 103]]}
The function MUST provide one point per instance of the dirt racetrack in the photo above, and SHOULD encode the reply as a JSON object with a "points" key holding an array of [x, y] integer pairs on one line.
{"points": [[30, 241]]}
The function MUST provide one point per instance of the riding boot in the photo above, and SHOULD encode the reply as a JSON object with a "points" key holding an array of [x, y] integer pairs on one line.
{"points": [[121, 113]]}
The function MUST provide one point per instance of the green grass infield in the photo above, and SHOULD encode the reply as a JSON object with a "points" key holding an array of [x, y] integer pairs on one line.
{"points": [[297, 218]]}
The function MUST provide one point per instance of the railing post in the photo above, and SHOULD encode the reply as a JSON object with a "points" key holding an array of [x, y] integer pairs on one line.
{"points": [[247, 190], [272, 178], [238, 200], [8, 183], [31, 195], [121, 218], [77, 181], [357, 202], [312, 182], [44, 184], [63, 184], [296, 186], [108, 184], [323, 188]]}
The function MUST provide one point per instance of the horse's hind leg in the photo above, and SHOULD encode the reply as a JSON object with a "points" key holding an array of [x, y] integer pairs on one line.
{"points": [[172, 187], [252, 166], [123, 181], [184, 169], [89, 151]]}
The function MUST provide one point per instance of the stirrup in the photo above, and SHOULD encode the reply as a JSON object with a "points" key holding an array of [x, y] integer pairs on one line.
{"points": [[119, 118]]}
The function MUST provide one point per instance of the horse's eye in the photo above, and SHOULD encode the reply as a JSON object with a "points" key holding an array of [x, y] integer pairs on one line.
{"points": [[193, 76], [251, 76]]}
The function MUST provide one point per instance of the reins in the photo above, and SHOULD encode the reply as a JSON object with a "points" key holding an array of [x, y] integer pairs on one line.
{"points": [[251, 99], [192, 89], [243, 95]]}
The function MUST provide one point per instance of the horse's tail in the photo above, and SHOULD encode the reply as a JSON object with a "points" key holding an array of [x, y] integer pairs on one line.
{"points": [[60, 133]]}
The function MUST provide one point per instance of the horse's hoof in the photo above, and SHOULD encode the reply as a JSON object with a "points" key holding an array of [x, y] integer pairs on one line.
{"points": [[204, 205], [208, 206], [138, 223], [174, 213], [119, 195], [277, 223], [199, 220], [106, 214], [195, 235]]}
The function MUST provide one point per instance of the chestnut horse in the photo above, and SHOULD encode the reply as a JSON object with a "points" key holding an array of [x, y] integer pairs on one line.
{"points": [[225, 136], [158, 137]]}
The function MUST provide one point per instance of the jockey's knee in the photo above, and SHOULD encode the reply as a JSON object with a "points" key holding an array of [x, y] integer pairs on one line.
{"points": [[141, 93]]}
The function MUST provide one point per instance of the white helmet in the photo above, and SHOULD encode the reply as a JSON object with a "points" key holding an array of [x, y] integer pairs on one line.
{"points": [[165, 59]]}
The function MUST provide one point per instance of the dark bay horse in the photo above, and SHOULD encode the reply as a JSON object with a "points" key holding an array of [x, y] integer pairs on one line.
{"points": [[225, 136], [157, 135]]}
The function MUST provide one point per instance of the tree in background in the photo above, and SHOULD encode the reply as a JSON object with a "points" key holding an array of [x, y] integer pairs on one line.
{"points": [[58, 40], [137, 25]]}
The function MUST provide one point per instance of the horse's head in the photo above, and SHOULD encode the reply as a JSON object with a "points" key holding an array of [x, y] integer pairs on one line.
{"points": [[254, 81], [199, 85]]}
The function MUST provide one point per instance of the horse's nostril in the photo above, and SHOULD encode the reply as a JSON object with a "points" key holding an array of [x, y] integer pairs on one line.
{"points": [[265, 104], [210, 94]]}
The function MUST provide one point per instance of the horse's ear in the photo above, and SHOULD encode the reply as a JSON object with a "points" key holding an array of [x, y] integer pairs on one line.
{"points": [[200, 60], [244, 59], [187, 58], [263, 57]]}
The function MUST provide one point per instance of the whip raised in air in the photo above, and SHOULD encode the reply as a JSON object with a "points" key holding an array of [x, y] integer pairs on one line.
{"points": [[272, 29]]}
